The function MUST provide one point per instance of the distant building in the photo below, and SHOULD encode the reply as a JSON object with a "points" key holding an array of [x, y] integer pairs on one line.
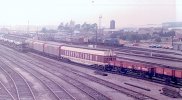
{"points": [[4, 30], [177, 46], [72, 24], [110, 31], [171, 24], [130, 29], [149, 30], [178, 32], [112, 24]]}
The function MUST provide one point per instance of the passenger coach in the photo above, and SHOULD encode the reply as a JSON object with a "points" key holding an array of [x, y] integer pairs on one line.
{"points": [[87, 56]]}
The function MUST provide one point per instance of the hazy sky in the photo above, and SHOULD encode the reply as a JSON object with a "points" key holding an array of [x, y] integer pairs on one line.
{"points": [[125, 12]]}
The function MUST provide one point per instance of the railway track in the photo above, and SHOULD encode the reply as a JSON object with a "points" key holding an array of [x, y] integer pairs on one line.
{"points": [[150, 54], [5, 95], [148, 50], [83, 87], [121, 89], [54, 87], [129, 92], [24, 91], [154, 56], [9, 84]]}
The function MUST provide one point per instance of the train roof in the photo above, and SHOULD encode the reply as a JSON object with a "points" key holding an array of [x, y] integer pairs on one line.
{"points": [[152, 61], [88, 50], [54, 43], [85, 47], [15, 38], [69, 45], [79, 48]]}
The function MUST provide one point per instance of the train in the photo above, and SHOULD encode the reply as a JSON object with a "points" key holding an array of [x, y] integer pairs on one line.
{"points": [[107, 42], [106, 60], [16, 44], [79, 54]]}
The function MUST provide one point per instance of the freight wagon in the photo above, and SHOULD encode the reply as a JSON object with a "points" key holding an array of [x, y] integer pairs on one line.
{"points": [[147, 70]]}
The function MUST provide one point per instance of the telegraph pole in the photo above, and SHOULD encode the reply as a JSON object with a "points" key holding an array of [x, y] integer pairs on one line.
{"points": [[28, 28], [98, 29]]}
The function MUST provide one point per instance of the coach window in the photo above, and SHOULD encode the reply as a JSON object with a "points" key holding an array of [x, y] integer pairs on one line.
{"points": [[64, 52], [96, 58], [102, 58], [76, 54], [106, 59], [83, 55], [79, 55], [90, 56], [71, 53], [86, 56], [67, 53], [110, 58]]}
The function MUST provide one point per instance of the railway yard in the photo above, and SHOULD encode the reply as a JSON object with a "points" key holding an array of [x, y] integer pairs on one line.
{"points": [[32, 76]]}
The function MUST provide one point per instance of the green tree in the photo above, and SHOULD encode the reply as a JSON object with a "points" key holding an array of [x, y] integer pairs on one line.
{"points": [[61, 26], [44, 30], [158, 39]]}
